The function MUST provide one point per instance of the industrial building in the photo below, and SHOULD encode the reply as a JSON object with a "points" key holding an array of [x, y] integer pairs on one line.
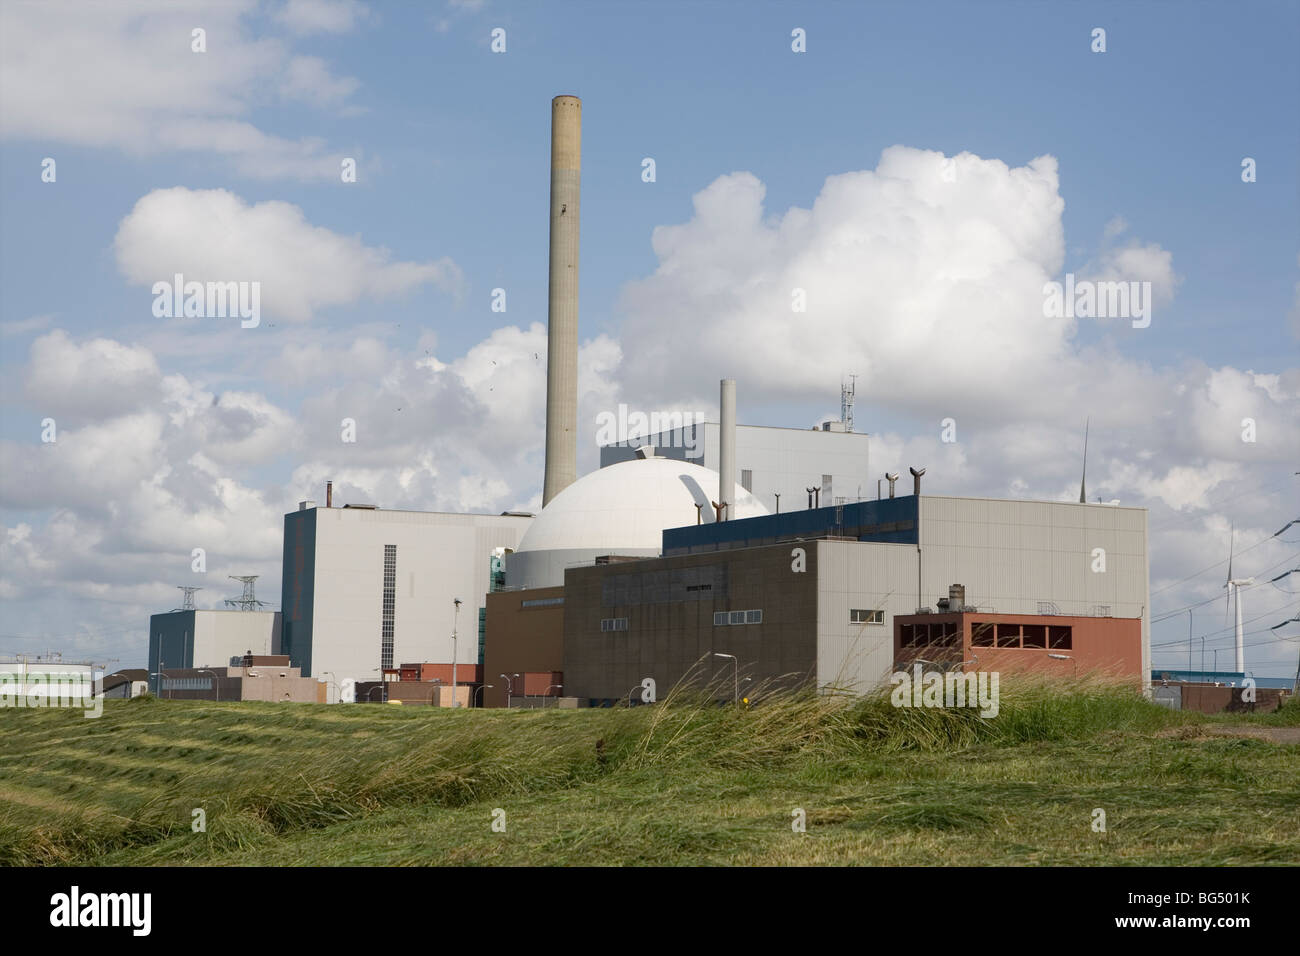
{"points": [[822, 595], [208, 638], [267, 677], [363, 588], [776, 466], [759, 552]]}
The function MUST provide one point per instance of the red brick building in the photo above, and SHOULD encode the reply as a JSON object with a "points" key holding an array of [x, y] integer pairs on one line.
{"points": [[1049, 643]]}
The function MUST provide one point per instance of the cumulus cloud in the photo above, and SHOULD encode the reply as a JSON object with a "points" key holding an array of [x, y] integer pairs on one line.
{"points": [[889, 264], [138, 87], [212, 235], [98, 378]]}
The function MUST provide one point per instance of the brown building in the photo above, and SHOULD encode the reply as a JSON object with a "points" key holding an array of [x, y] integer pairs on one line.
{"points": [[525, 636], [1050, 643], [667, 618]]}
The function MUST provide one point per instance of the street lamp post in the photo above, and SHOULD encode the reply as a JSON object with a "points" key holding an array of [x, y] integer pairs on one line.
{"points": [[735, 689], [455, 629], [547, 693], [480, 690], [510, 687]]}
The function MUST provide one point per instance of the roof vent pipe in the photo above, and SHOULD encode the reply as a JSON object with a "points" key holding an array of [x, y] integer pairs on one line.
{"points": [[891, 478], [329, 494], [916, 480]]}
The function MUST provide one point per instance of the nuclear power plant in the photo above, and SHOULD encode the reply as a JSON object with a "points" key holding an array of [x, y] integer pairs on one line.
{"points": [[775, 556]]}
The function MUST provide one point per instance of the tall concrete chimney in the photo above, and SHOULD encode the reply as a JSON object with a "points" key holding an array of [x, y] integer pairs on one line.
{"points": [[562, 304], [727, 445]]}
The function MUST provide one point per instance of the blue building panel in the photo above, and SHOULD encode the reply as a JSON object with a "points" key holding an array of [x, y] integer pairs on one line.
{"points": [[887, 521]]}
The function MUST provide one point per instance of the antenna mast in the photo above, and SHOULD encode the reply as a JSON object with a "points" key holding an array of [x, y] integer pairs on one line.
{"points": [[846, 402]]}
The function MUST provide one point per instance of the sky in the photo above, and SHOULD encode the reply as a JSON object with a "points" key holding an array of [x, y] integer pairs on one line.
{"points": [[883, 190]]}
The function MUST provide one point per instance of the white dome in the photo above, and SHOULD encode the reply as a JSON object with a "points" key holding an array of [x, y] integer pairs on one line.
{"points": [[620, 509], [628, 505]]}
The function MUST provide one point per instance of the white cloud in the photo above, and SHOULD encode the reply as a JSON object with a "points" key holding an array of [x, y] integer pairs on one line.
{"points": [[308, 79], [322, 16], [896, 263], [97, 379], [213, 235], [138, 87]]}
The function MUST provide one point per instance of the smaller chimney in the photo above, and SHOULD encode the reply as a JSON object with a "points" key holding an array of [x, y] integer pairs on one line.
{"points": [[916, 481], [956, 597], [329, 494], [891, 478]]}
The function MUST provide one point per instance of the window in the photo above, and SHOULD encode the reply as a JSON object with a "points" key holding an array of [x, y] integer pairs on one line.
{"points": [[389, 606], [699, 587], [1059, 637], [613, 624], [747, 479], [1008, 635], [826, 489], [859, 615], [1035, 635], [982, 634], [751, 616], [907, 635], [542, 602]]}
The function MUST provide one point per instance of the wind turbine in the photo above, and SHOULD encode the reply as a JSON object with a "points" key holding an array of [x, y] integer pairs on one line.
{"points": [[1234, 586]]}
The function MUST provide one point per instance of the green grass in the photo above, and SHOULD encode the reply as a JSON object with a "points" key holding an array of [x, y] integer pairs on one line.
{"points": [[678, 783]]}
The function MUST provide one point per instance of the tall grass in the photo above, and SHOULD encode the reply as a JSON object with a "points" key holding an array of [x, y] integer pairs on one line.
{"points": [[132, 778]]}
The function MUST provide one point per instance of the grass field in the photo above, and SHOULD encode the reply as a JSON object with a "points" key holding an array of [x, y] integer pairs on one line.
{"points": [[678, 783]]}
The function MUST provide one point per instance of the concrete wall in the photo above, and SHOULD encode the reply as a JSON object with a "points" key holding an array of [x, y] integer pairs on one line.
{"points": [[785, 460], [1009, 555], [854, 574], [1013, 554], [670, 631], [334, 620]]}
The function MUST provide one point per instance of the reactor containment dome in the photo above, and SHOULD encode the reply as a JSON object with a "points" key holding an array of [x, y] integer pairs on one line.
{"points": [[621, 509]]}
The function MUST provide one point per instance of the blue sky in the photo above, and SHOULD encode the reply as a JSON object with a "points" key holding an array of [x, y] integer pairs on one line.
{"points": [[452, 143]]}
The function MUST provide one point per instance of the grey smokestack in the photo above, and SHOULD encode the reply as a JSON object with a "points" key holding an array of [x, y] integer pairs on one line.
{"points": [[727, 443], [329, 494], [562, 305]]}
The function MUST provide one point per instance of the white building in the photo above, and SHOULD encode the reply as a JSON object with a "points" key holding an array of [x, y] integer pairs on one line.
{"points": [[772, 461], [365, 588], [207, 638]]}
